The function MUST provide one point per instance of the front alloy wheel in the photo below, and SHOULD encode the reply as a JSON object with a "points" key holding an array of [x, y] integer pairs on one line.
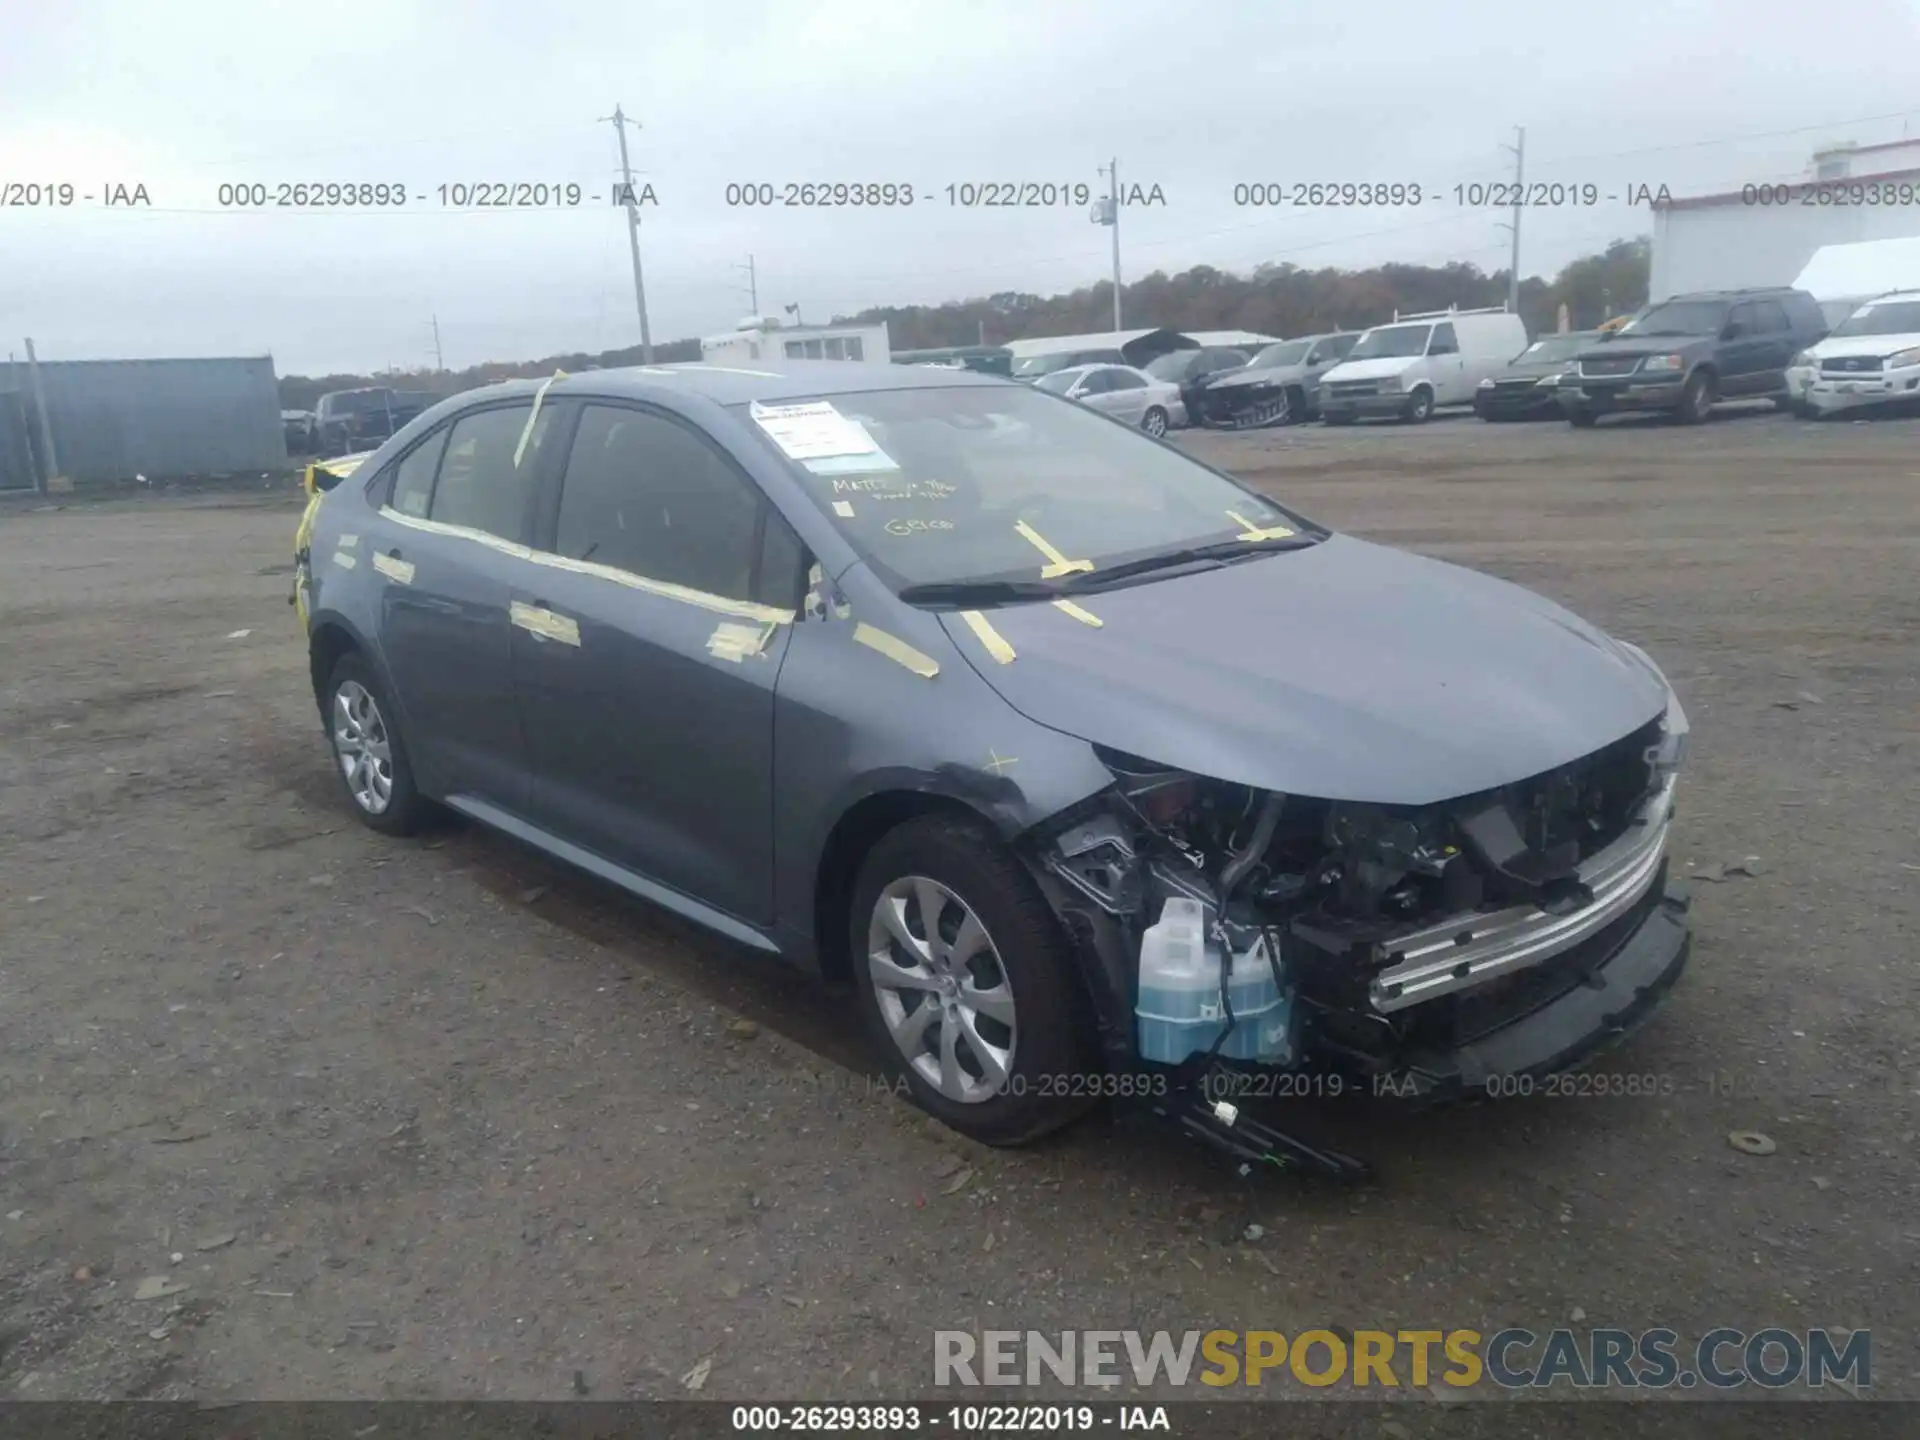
{"points": [[942, 991], [362, 746], [1155, 422], [368, 750], [968, 985]]}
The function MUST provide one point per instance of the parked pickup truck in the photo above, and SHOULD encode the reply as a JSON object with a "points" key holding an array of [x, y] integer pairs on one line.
{"points": [[346, 421]]}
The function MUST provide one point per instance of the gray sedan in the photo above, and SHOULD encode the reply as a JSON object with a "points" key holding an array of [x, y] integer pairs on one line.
{"points": [[1128, 395], [1088, 772]]}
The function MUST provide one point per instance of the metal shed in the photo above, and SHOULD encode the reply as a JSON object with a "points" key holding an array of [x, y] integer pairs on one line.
{"points": [[114, 419]]}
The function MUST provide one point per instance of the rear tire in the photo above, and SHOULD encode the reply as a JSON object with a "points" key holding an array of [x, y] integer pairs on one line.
{"points": [[1581, 419], [1004, 1070], [1805, 411], [369, 756]]}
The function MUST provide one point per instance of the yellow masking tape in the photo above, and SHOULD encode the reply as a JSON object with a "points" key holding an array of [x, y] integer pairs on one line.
{"points": [[995, 642], [394, 568], [732, 640], [537, 621], [526, 433], [1085, 617], [720, 604], [344, 560], [1254, 532], [843, 509], [1058, 564], [347, 542], [896, 649]]}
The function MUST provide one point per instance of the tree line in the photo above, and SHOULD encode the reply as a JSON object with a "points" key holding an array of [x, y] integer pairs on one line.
{"points": [[1274, 299]]}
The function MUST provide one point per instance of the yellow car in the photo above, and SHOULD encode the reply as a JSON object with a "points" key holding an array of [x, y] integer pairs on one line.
{"points": [[321, 477]]}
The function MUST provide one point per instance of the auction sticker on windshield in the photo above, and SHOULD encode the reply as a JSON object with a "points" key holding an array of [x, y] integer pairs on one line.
{"points": [[821, 438]]}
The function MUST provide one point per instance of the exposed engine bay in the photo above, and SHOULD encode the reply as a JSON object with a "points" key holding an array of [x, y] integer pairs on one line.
{"points": [[1360, 936]]}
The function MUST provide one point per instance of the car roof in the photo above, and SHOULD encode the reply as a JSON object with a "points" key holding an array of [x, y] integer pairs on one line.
{"points": [[770, 382]]}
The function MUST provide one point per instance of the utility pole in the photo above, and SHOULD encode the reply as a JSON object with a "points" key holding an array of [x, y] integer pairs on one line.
{"points": [[439, 360], [1519, 151], [50, 470], [753, 286], [620, 123], [1109, 214]]}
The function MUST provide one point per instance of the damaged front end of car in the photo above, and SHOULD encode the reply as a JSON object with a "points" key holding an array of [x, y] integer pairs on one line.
{"points": [[1427, 952]]}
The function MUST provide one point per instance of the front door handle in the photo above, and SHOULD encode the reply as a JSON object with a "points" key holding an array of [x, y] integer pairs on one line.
{"points": [[542, 623]]}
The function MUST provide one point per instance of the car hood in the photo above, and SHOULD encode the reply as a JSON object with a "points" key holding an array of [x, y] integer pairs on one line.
{"points": [[1649, 345], [1832, 348], [1344, 671], [1375, 369], [1532, 370], [1266, 375]]}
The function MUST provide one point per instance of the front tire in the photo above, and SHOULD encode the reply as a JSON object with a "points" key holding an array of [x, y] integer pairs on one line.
{"points": [[1696, 399], [1581, 419], [1154, 422], [967, 985], [368, 753], [1420, 408]]}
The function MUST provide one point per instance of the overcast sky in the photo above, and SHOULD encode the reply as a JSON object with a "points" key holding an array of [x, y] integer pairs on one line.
{"points": [[1694, 94]]}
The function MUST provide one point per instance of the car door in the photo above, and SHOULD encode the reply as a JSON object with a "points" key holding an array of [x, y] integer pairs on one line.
{"points": [[1096, 389], [1777, 345], [1744, 347], [452, 509], [646, 655], [1128, 395], [1446, 370]]}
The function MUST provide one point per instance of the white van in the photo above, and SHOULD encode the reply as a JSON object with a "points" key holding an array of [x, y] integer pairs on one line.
{"points": [[1420, 362], [1871, 358]]}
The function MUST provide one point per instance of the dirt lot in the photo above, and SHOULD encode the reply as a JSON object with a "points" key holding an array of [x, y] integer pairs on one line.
{"points": [[437, 1118]]}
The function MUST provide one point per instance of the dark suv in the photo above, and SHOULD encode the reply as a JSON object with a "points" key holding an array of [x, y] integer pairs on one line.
{"points": [[1684, 353]]}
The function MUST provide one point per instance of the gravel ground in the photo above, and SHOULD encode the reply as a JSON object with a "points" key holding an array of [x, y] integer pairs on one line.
{"points": [[438, 1118]]}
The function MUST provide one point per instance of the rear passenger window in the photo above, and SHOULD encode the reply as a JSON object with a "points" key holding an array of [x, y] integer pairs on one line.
{"points": [[481, 486], [413, 478], [650, 496], [1772, 318]]}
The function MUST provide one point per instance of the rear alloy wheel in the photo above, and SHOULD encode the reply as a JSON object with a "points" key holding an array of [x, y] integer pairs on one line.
{"points": [[1154, 422], [967, 985], [367, 750], [1696, 398], [1420, 408]]}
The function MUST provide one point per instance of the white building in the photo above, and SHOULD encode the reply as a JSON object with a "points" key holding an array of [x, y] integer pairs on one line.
{"points": [[763, 337], [1764, 234]]}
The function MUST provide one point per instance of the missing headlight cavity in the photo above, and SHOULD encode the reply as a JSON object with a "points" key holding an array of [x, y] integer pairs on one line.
{"points": [[1348, 928]]}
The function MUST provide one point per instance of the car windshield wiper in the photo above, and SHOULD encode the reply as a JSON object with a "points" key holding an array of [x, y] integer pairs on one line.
{"points": [[979, 592], [1219, 552]]}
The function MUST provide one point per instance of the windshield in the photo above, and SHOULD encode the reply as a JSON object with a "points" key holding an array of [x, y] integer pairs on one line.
{"points": [[1554, 347], [1898, 317], [1037, 365], [1174, 365], [1391, 341], [964, 478], [1059, 382], [1682, 317], [1287, 352]]}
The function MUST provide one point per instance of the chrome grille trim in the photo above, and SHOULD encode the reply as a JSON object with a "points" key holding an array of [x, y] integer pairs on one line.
{"points": [[1433, 961]]}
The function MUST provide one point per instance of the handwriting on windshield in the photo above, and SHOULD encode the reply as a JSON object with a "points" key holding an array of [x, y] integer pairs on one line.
{"points": [[880, 487], [916, 527]]}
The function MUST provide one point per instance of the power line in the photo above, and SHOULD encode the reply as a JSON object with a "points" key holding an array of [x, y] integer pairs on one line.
{"points": [[1729, 139]]}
